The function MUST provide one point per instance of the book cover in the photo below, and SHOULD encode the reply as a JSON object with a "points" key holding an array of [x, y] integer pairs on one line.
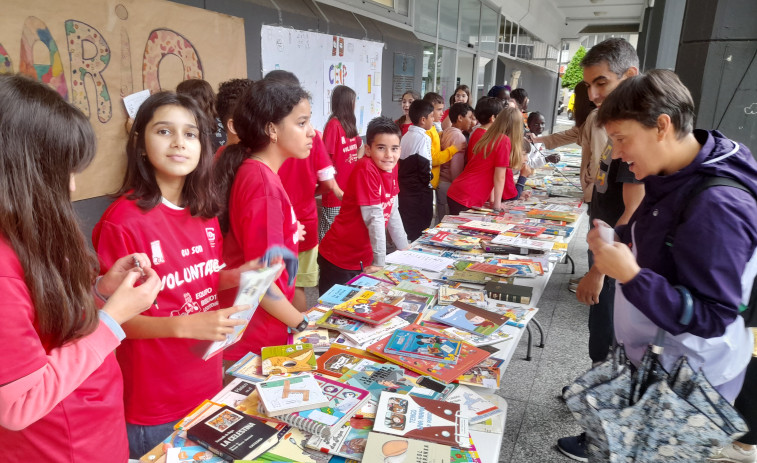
{"points": [[233, 435], [527, 230], [344, 401], [509, 293], [383, 448], [470, 318], [474, 339], [338, 294], [333, 321], [486, 374], [338, 360], [318, 337], [364, 310], [234, 393], [369, 334], [454, 240], [448, 295], [348, 441], [469, 455], [468, 357], [368, 281], [478, 278], [487, 227], [525, 243], [423, 419], [491, 269], [437, 348], [411, 275], [473, 406], [291, 358], [252, 287], [291, 448], [280, 396], [516, 316], [249, 367], [413, 303]]}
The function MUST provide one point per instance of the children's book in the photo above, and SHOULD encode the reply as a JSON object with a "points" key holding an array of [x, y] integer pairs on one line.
{"points": [[454, 240], [349, 440], [291, 447], [370, 334], [525, 243], [291, 358], [233, 435], [527, 230], [411, 275], [373, 313], [468, 357], [178, 448], [333, 321], [249, 367], [383, 448], [449, 295], [494, 424], [516, 316], [234, 392], [338, 360], [252, 287], [461, 276], [368, 281], [473, 406], [420, 260], [424, 419], [344, 401], [486, 374], [284, 395], [491, 269], [338, 294], [318, 337], [436, 348], [469, 455], [476, 340], [413, 303], [470, 318], [486, 227]]}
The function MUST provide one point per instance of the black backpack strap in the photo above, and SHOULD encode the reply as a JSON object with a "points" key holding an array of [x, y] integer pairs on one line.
{"points": [[710, 182]]}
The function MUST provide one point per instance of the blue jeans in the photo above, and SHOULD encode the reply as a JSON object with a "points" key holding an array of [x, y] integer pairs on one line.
{"points": [[142, 438]]}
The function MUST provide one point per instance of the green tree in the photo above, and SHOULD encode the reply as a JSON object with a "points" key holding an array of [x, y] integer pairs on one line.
{"points": [[573, 73]]}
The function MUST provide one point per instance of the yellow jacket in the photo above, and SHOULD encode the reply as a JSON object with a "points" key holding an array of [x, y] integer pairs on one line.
{"points": [[438, 157]]}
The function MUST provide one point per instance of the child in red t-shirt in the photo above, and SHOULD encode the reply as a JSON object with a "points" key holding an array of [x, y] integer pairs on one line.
{"points": [[357, 240], [166, 211], [344, 146], [272, 120], [61, 392], [495, 153]]}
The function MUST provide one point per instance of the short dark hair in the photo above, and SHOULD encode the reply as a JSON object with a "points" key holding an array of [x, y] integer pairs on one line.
{"points": [[282, 76], [433, 98], [645, 97], [532, 117], [619, 55], [140, 184], [380, 125], [487, 107], [457, 110], [419, 109], [228, 94], [519, 95], [203, 94]]}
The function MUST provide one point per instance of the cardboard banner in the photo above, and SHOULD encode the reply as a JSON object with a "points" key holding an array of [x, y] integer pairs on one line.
{"points": [[95, 52]]}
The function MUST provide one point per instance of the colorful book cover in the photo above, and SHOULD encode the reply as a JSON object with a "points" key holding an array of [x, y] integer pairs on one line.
{"points": [[486, 374], [491, 269], [517, 316], [527, 230], [249, 367], [284, 395], [233, 435], [348, 441], [474, 339], [423, 419], [411, 275], [333, 321], [460, 455], [338, 294], [433, 347], [291, 358], [318, 337], [523, 243], [386, 377], [368, 281], [473, 406], [535, 265], [470, 318], [487, 227], [454, 240], [383, 448], [413, 303], [448, 295], [291, 448], [373, 313], [234, 393], [468, 357], [369, 334], [461, 276], [338, 360]]}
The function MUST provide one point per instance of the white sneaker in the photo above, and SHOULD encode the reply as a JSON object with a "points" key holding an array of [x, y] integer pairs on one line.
{"points": [[734, 454]]}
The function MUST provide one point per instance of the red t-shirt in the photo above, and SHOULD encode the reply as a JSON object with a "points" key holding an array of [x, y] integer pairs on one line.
{"points": [[88, 420], [474, 185], [300, 179], [260, 216], [343, 152], [347, 242], [405, 127], [165, 378]]}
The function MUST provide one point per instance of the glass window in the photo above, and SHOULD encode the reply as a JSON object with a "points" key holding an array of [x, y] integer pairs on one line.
{"points": [[429, 65], [445, 73], [509, 31], [448, 10], [488, 30], [470, 14], [425, 16], [465, 69], [485, 78]]}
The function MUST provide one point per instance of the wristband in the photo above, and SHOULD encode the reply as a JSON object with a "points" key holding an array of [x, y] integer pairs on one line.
{"points": [[97, 293]]}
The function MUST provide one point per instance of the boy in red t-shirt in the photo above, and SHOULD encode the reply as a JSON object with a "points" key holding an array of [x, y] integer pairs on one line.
{"points": [[357, 241]]}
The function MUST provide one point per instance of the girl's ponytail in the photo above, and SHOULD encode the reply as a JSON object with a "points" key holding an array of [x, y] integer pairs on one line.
{"points": [[225, 170]]}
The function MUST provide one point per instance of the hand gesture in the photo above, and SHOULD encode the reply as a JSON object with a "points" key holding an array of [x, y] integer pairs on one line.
{"points": [[129, 300], [461, 145], [109, 282], [213, 325], [300, 232], [373, 269]]}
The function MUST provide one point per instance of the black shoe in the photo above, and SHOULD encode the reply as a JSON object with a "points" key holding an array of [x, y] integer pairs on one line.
{"points": [[573, 447], [564, 390]]}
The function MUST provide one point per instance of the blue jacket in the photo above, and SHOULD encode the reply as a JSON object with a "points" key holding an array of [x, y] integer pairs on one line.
{"points": [[712, 244]]}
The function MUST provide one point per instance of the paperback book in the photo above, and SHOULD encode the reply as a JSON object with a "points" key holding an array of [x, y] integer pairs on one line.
{"points": [[524, 243], [318, 337], [454, 240], [476, 340], [470, 318], [490, 269], [411, 275], [369, 334], [449, 295], [338, 294], [333, 321], [383, 448], [233, 435], [487, 227], [364, 310], [423, 419], [338, 360], [436, 348], [348, 441], [249, 367], [486, 374], [474, 407], [281, 396], [291, 358], [368, 281]]}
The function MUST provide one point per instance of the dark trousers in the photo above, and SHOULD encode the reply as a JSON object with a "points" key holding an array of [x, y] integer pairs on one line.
{"points": [[746, 403], [416, 208], [601, 331], [331, 275], [455, 208]]}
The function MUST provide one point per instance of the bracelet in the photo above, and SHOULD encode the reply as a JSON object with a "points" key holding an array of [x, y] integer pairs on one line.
{"points": [[97, 293]]}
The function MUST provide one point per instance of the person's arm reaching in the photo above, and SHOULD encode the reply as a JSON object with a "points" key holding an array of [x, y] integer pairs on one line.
{"points": [[373, 217], [500, 173]]}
